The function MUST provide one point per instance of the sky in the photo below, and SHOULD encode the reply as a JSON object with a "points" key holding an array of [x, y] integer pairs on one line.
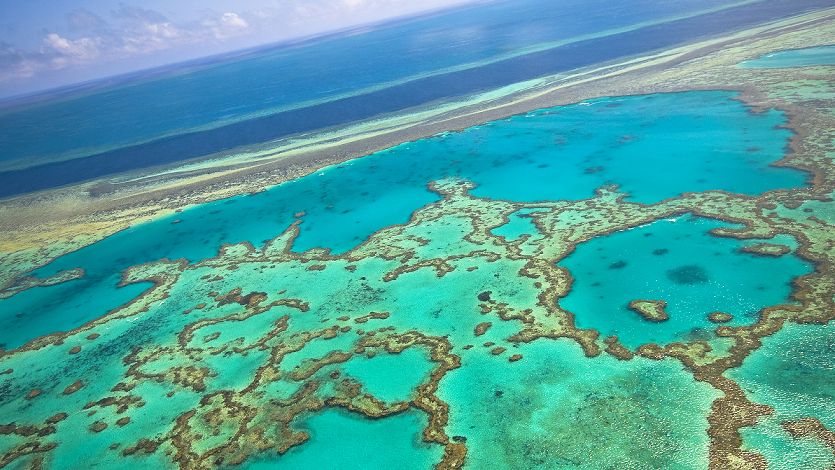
{"points": [[51, 43]]}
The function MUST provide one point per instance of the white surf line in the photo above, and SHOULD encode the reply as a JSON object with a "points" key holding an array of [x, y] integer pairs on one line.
{"points": [[20, 164], [498, 58], [527, 90]]}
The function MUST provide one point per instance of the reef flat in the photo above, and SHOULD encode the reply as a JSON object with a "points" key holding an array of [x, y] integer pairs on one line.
{"points": [[439, 301], [41, 226], [821, 55]]}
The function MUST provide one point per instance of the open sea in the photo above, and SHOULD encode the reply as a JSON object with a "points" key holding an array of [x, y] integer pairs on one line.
{"points": [[453, 299], [186, 112]]}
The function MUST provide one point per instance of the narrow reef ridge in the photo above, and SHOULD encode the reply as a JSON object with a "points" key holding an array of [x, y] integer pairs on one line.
{"points": [[447, 322]]}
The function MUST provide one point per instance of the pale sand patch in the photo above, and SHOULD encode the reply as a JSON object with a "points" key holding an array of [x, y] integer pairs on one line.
{"points": [[38, 227]]}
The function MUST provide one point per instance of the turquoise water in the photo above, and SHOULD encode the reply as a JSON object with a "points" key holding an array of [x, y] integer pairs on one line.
{"points": [[341, 440], [518, 225], [234, 129], [411, 367], [35, 312], [269, 80], [559, 409], [472, 348], [821, 55], [219, 377], [679, 262], [234, 348], [794, 372], [653, 147], [782, 451]]}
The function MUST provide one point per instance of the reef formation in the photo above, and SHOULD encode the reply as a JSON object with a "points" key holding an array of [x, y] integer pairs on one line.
{"points": [[221, 362]]}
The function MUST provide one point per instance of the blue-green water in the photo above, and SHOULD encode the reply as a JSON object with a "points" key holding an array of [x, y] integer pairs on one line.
{"points": [[340, 440], [146, 109], [472, 351], [679, 262], [821, 55], [794, 372], [653, 147], [411, 368], [227, 105], [784, 452], [559, 409], [518, 225]]}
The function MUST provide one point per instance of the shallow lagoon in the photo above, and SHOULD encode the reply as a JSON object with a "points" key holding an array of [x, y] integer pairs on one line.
{"points": [[646, 145], [821, 55], [677, 261], [794, 372], [194, 347], [350, 442], [555, 408], [419, 64]]}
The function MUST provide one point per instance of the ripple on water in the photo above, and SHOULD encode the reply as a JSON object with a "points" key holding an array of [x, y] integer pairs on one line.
{"points": [[557, 408], [820, 55], [794, 372], [697, 275], [344, 440], [652, 146]]}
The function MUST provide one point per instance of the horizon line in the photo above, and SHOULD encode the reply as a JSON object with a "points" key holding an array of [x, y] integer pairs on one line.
{"points": [[161, 70]]}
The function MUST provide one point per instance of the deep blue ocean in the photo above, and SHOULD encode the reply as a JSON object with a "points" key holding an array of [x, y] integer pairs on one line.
{"points": [[446, 295], [190, 111]]}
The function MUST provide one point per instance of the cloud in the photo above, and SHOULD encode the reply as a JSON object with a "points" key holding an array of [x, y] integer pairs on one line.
{"points": [[129, 31], [15, 62], [82, 49], [353, 3], [233, 20], [226, 25]]}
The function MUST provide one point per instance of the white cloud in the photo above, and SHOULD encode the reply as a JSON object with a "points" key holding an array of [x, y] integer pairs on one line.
{"points": [[233, 20], [227, 25], [15, 62], [129, 31], [133, 31], [81, 49]]}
